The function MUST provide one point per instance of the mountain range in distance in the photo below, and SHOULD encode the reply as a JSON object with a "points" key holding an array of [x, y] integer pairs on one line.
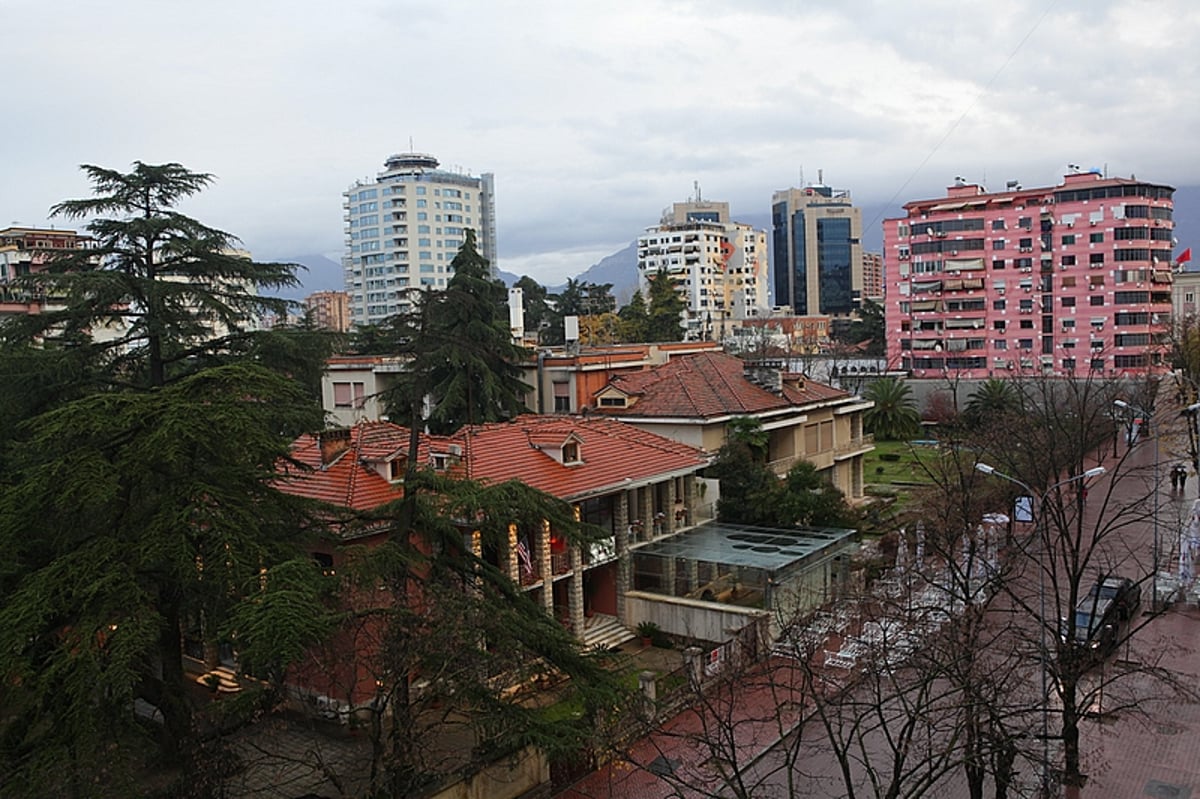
{"points": [[620, 268]]}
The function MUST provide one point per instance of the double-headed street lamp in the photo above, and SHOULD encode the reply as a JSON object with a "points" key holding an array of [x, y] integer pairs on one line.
{"points": [[1146, 419], [1036, 515]]}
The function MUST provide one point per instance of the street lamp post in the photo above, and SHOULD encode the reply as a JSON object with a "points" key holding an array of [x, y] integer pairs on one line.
{"points": [[1147, 418], [1036, 518]]}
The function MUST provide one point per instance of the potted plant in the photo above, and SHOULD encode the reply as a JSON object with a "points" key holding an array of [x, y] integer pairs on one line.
{"points": [[648, 630]]}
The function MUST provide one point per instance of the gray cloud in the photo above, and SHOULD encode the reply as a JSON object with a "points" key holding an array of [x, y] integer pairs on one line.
{"points": [[593, 116]]}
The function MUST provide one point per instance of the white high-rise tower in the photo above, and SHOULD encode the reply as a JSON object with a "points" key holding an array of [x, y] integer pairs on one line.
{"points": [[404, 228]]}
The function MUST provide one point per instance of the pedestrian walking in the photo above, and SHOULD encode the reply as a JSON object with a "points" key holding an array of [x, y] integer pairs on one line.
{"points": [[1174, 478], [1183, 476]]}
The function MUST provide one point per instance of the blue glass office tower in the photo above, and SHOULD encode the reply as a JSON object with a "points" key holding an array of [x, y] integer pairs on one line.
{"points": [[816, 251]]}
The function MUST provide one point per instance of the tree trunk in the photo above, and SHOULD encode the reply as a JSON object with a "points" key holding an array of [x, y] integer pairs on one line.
{"points": [[1070, 733]]}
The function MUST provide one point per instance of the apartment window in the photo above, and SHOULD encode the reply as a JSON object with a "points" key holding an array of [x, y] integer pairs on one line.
{"points": [[998, 244], [1096, 238], [997, 305], [562, 398], [422, 203], [1068, 364], [1025, 344], [1025, 244], [1000, 344], [1097, 364], [998, 263], [1068, 302], [1026, 324], [826, 436], [1068, 282], [1068, 239], [1068, 260], [1096, 299], [1025, 222], [570, 452], [348, 394], [997, 224], [1096, 258]]}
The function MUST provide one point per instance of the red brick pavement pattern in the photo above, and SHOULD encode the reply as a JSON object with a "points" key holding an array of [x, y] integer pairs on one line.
{"points": [[1154, 752]]}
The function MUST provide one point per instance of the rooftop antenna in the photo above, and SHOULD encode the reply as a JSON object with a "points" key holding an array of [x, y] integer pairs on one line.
{"points": [[820, 177], [696, 185], [411, 149]]}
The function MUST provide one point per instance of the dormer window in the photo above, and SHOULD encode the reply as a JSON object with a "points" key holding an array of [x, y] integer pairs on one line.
{"points": [[396, 469], [570, 452], [612, 401]]}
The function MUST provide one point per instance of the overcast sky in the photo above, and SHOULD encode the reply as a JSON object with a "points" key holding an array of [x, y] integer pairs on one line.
{"points": [[594, 116]]}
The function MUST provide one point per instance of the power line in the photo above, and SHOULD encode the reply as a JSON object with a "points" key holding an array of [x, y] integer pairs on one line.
{"points": [[970, 107]]}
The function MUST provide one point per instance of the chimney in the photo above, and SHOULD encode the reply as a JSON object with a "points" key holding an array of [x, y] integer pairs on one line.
{"points": [[333, 443], [765, 374]]}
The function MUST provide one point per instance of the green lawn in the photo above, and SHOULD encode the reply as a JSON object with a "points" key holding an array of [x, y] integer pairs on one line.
{"points": [[906, 468]]}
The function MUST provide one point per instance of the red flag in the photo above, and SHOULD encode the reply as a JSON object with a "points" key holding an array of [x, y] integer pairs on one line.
{"points": [[1184, 256]]}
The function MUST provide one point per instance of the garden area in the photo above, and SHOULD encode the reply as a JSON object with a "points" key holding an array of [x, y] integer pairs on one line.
{"points": [[894, 467]]}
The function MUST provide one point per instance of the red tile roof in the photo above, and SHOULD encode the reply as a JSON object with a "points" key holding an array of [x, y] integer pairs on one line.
{"points": [[612, 454], [348, 480], [709, 384]]}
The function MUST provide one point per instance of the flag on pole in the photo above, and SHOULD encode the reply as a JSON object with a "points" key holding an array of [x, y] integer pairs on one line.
{"points": [[1184, 256]]}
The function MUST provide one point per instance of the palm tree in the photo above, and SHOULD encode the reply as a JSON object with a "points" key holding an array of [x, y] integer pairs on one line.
{"points": [[993, 399], [894, 417]]}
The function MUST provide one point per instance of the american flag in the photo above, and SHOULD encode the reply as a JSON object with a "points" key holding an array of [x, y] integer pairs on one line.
{"points": [[523, 556]]}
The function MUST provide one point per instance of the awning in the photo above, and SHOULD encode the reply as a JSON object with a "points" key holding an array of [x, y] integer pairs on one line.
{"points": [[965, 264]]}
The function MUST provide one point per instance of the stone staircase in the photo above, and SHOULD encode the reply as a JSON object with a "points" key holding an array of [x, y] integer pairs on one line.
{"points": [[223, 677], [604, 632]]}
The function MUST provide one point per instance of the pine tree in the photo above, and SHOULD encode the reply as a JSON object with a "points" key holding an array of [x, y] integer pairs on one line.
{"points": [[635, 319], [463, 351], [138, 505], [666, 309]]}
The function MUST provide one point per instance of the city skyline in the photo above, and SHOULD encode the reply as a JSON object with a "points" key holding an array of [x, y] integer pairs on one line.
{"points": [[594, 118]]}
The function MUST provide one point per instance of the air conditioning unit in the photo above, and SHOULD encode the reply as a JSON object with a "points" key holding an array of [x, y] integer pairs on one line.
{"points": [[1092, 223], [1071, 224]]}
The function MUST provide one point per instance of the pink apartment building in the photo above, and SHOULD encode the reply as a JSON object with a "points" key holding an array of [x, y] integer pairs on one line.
{"points": [[1069, 279]]}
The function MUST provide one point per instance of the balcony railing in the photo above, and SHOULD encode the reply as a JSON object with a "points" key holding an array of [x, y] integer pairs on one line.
{"points": [[855, 444], [560, 562]]}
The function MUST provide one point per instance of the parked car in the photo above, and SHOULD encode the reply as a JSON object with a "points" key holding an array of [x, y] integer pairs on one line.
{"points": [[1110, 601], [1124, 593]]}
